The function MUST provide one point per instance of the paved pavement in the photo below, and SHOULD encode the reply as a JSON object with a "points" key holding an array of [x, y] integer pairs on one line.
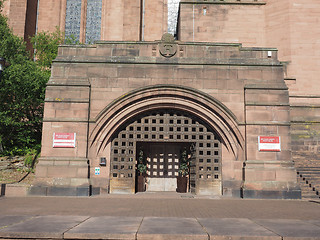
{"points": [[157, 216]]}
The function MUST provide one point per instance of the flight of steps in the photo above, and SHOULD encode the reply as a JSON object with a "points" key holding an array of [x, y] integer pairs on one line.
{"points": [[309, 180]]}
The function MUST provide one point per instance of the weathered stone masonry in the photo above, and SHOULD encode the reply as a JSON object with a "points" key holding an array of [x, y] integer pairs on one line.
{"points": [[238, 92]]}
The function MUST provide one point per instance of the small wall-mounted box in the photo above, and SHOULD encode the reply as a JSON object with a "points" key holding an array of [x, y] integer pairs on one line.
{"points": [[103, 161]]}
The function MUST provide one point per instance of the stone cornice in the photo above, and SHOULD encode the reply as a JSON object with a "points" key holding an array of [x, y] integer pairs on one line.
{"points": [[174, 61], [221, 2], [187, 53]]}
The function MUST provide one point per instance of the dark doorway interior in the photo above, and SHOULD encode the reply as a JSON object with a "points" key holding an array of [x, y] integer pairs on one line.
{"points": [[163, 162]]}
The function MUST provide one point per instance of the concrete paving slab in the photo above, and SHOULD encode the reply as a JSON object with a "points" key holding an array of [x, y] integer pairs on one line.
{"points": [[129, 205], [42, 227], [291, 229], [106, 228], [236, 229], [314, 222], [171, 228], [6, 221]]}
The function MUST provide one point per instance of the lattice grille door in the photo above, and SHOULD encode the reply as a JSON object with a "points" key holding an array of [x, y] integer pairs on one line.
{"points": [[163, 129], [163, 160]]}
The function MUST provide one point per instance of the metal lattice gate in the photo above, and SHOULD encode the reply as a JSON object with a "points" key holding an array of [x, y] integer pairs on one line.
{"points": [[162, 134]]}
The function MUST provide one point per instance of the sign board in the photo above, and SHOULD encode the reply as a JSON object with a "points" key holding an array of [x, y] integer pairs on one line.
{"points": [[64, 140], [97, 171], [269, 143]]}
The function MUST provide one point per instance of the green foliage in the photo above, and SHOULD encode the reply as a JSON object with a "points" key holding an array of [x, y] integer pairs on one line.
{"points": [[72, 40], [184, 163], [46, 46], [30, 158], [22, 88], [142, 166], [12, 48]]}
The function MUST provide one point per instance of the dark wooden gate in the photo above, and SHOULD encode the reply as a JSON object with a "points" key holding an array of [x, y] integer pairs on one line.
{"points": [[166, 130]]}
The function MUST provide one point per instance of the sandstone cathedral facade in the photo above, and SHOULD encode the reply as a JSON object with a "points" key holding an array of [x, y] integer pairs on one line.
{"points": [[229, 85]]}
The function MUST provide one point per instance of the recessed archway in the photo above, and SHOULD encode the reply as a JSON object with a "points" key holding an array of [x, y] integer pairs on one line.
{"points": [[191, 102], [162, 135]]}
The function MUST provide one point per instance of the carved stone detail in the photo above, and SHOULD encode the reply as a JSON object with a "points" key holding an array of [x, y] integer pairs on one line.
{"points": [[168, 47]]}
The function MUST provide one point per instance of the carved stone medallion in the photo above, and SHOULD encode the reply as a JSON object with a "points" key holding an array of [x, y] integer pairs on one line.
{"points": [[167, 47]]}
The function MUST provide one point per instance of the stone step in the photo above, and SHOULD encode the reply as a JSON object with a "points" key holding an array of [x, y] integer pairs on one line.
{"points": [[308, 191], [306, 166], [309, 168], [310, 197], [310, 177], [316, 173], [308, 171], [304, 186]]}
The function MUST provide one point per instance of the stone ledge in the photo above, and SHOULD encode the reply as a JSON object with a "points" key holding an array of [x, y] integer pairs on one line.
{"points": [[304, 96], [241, 61], [73, 82], [15, 190], [269, 86], [269, 123], [305, 122], [223, 2], [305, 105], [282, 163], [271, 194], [59, 191], [266, 104], [66, 100], [63, 159], [65, 120]]}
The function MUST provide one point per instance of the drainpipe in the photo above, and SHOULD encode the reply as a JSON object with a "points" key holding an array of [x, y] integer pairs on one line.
{"points": [[36, 30], [245, 146], [193, 22], [37, 17], [88, 132], [142, 14]]}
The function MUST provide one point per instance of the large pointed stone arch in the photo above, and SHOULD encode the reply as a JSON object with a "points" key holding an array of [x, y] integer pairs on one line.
{"points": [[180, 98], [198, 103]]}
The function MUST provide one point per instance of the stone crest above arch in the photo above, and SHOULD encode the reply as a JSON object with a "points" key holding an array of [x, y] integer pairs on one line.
{"points": [[167, 46], [193, 101]]}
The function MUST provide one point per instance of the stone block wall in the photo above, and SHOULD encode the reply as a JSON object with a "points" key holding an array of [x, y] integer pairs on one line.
{"points": [[113, 20], [16, 11], [120, 20], [51, 14], [87, 80], [223, 21], [305, 131]]}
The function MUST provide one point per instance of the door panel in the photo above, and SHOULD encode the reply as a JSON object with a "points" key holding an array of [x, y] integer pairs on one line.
{"points": [[163, 166], [163, 160], [166, 131]]}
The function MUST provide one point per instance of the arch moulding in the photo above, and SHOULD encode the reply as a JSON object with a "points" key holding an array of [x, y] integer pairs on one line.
{"points": [[195, 102]]}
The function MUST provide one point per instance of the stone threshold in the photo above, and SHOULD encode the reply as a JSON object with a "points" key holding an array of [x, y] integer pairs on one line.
{"points": [[110, 227]]}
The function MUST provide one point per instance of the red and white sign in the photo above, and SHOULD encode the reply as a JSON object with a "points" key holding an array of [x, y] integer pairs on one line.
{"points": [[269, 143], [64, 140]]}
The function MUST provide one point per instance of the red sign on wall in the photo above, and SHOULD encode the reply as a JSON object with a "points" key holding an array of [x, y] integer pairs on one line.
{"points": [[269, 143], [64, 140]]}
